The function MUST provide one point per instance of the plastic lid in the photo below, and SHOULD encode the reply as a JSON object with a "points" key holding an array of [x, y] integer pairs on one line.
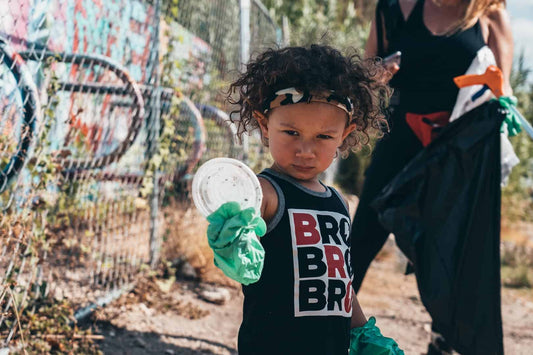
{"points": [[221, 180]]}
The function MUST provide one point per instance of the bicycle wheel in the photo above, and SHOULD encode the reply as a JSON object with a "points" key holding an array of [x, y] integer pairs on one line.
{"points": [[98, 130], [20, 112], [187, 140]]}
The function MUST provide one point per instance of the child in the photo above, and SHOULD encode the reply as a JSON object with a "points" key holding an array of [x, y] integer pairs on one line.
{"points": [[310, 104]]}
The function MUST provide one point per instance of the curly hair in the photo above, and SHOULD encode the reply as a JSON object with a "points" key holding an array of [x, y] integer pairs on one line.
{"points": [[316, 68]]}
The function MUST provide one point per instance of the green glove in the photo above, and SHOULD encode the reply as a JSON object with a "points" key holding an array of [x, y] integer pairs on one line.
{"points": [[232, 234], [367, 340], [511, 120]]}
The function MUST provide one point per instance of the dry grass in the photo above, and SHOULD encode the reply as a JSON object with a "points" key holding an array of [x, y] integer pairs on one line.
{"points": [[517, 277], [185, 238], [517, 255], [519, 233]]}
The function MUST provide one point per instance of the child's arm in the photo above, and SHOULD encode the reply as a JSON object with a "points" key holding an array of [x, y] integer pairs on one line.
{"points": [[358, 317], [365, 336], [269, 205]]}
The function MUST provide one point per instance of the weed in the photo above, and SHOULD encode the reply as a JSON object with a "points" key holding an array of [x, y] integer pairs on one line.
{"points": [[517, 277]]}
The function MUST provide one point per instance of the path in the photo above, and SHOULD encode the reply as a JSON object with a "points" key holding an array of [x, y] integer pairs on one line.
{"points": [[177, 321]]}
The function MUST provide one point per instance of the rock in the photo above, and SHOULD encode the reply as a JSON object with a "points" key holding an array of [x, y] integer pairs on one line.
{"points": [[427, 328], [184, 269], [188, 272], [147, 311], [216, 295]]}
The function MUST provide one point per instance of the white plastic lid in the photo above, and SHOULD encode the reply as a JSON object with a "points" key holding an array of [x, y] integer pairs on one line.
{"points": [[221, 180]]}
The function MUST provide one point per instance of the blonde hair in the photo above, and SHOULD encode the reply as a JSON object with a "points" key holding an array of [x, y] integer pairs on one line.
{"points": [[474, 10]]}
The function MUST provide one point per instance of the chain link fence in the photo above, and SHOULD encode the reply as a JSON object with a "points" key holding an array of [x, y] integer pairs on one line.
{"points": [[106, 109]]}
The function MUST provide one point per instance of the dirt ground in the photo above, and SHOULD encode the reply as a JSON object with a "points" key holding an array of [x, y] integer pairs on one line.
{"points": [[171, 317], [200, 327]]}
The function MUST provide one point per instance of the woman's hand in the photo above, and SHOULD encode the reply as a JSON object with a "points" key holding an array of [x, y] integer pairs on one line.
{"points": [[371, 51], [391, 68], [384, 76]]}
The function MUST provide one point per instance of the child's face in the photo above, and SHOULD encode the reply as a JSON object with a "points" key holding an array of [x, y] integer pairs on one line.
{"points": [[303, 138]]}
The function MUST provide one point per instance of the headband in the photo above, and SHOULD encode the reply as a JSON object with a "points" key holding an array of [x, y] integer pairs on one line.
{"points": [[291, 96]]}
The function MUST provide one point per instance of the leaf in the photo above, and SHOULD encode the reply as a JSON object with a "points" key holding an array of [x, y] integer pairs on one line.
{"points": [[165, 285]]}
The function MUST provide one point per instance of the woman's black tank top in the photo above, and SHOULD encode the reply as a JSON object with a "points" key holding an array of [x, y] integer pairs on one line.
{"points": [[430, 62]]}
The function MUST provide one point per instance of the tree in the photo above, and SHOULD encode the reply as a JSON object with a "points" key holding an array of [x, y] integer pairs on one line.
{"points": [[339, 23], [517, 196], [342, 24]]}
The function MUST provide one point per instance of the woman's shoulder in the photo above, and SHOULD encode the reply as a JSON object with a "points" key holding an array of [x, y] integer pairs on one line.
{"points": [[495, 22], [495, 17], [497, 13]]}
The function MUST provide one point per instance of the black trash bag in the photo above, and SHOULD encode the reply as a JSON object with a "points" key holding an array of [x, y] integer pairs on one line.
{"points": [[444, 210]]}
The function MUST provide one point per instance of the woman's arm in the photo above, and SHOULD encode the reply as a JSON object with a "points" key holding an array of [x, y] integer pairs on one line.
{"points": [[371, 48], [499, 38]]}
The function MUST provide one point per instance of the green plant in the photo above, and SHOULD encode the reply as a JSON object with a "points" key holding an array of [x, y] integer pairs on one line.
{"points": [[517, 196], [340, 23], [50, 329], [350, 172], [517, 277]]}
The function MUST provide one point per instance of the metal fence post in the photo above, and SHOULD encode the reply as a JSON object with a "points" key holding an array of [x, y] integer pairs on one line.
{"points": [[245, 7], [286, 32], [154, 137]]}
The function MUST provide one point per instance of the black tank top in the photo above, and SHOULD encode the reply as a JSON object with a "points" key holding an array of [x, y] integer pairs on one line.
{"points": [[302, 302], [430, 62]]}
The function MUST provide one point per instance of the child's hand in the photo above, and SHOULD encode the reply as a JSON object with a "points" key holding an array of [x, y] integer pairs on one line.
{"points": [[367, 340], [232, 236]]}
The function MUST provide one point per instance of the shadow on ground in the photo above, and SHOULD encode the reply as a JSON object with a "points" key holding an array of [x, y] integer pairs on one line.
{"points": [[123, 341]]}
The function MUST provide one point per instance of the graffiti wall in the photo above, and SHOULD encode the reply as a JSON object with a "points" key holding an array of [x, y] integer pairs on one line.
{"points": [[119, 29], [95, 123]]}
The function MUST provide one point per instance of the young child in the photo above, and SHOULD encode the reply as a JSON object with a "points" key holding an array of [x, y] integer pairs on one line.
{"points": [[310, 104]]}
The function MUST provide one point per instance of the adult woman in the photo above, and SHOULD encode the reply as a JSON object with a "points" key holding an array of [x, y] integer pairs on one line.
{"points": [[438, 40]]}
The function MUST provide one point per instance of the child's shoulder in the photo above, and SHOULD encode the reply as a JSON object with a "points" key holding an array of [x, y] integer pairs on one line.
{"points": [[269, 205]]}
